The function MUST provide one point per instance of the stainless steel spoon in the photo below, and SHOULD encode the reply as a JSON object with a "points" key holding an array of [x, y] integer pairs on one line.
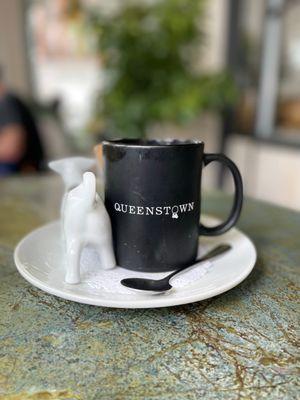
{"points": [[162, 285]]}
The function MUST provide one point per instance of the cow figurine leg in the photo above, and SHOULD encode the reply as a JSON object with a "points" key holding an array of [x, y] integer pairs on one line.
{"points": [[107, 257], [73, 254]]}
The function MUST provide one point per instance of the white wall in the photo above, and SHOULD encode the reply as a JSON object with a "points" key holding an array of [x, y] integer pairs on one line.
{"points": [[270, 172], [13, 54]]}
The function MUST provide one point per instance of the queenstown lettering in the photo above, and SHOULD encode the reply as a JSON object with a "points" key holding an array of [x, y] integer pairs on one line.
{"points": [[173, 211]]}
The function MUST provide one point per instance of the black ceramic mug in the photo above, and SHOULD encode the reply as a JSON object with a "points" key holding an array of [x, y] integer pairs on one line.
{"points": [[152, 194]]}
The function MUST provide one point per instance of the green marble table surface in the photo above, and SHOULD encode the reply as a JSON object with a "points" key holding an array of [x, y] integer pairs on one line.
{"points": [[240, 345]]}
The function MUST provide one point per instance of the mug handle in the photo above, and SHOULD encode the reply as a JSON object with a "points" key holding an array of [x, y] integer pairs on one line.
{"points": [[237, 201]]}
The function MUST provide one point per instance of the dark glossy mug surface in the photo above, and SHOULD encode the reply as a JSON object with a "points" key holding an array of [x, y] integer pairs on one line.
{"points": [[152, 194]]}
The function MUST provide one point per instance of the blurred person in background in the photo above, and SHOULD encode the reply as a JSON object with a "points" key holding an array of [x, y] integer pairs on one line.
{"points": [[20, 145]]}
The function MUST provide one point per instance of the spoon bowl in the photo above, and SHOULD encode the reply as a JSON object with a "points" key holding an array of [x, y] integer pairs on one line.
{"points": [[153, 285]]}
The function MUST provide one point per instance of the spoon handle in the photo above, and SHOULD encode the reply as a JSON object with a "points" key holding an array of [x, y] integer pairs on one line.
{"points": [[216, 251]]}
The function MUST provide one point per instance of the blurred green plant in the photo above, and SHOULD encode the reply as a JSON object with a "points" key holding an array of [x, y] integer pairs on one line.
{"points": [[149, 52]]}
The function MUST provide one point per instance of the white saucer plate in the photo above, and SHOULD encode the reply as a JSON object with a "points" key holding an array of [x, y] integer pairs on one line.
{"points": [[39, 259]]}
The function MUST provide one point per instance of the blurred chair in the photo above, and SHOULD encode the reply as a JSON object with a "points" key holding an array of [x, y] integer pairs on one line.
{"points": [[54, 138]]}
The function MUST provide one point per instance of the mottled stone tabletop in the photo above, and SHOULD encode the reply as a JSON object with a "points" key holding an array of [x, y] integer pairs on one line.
{"points": [[239, 345]]}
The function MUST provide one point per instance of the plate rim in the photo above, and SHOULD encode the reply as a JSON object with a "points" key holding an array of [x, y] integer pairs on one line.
{"points": [[159, 300]]}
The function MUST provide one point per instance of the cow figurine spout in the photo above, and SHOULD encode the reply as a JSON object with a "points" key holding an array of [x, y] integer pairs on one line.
{"points": [[85, 222]]}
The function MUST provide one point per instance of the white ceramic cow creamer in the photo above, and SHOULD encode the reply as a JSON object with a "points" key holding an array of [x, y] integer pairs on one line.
{"points": [[86, 222]]}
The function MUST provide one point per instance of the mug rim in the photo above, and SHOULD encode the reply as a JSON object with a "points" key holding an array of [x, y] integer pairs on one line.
{"points": [[150, 143]]}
